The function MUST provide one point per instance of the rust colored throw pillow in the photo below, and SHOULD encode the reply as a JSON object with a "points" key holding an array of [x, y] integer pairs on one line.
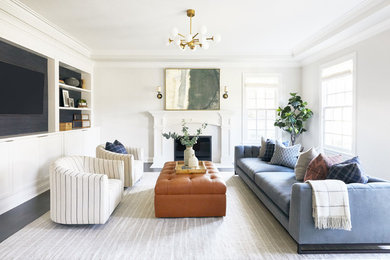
{"points": [[318, 168]]}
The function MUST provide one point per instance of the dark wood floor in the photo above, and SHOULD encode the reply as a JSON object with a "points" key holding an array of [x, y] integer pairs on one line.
{"points": [[14, 220]]}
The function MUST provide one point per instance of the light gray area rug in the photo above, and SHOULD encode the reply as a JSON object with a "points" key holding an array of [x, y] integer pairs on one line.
{"points": [[248, 231]]}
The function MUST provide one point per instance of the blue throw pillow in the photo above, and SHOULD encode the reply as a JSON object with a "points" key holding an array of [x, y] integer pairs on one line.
{"points": [[349, 171], [116, 148], [270, 148], [285, 156]]}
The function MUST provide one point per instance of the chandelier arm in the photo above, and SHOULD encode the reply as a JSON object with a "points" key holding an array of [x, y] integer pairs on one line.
{"points": [[210, 39], [195, 35], [181, 35]]}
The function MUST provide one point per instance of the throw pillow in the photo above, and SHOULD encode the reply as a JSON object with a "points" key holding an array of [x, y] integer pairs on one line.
{"points": [[303, 161], [286, 156], [349, 171], [269, 150], [112, 147], [318, 168], [262, 147]]}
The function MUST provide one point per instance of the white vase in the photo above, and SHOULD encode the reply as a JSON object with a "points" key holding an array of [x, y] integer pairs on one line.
{"points": [[193, 161], [188, 152]]}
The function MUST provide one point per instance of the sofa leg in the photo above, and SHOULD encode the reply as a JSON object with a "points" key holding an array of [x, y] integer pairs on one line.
{"points": [[341, 248]]}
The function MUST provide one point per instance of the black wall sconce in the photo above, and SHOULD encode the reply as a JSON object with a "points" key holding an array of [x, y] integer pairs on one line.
{"points": [[159, 95], [226, 93]]}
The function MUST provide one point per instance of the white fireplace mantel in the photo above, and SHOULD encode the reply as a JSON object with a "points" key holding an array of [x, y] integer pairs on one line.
{"points": [[165, 121]]}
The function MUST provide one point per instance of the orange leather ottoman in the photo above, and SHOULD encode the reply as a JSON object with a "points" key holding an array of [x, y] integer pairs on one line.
{"points": [[189, 195]]}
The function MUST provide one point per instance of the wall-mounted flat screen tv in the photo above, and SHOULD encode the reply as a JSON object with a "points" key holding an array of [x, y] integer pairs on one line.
{"points": [[21, 90]]}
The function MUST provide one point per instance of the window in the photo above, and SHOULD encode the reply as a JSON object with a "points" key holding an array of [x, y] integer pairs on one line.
{"points": [[337, 82], [260, 104]]}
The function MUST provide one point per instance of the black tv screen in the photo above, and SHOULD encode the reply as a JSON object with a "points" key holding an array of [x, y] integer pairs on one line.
{"points": [[21, 90]]}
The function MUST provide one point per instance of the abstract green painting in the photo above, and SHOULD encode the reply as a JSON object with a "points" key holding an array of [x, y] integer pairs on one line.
{"points": [[192, 89]]}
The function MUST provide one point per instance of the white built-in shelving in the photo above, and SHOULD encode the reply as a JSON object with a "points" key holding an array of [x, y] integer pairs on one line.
{"points": [[64, 86]]}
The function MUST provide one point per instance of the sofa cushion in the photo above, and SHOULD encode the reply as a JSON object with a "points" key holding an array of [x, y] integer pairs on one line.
{"points": [[262, 147], [303, 162], [252, 165], [115, 148], [269, 150], [349, 171], [286, 156], [278, 187], [318, 168]]}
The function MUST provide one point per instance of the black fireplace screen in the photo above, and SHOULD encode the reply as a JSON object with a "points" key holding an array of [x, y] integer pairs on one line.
{"points": [[202, 149]]}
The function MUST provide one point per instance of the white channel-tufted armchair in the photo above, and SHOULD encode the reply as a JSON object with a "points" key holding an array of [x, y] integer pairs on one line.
{"points": [[84, 190], [134, 162]]}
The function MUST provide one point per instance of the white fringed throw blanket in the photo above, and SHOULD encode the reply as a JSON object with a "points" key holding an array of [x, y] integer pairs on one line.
{"points": [[331, 204]]}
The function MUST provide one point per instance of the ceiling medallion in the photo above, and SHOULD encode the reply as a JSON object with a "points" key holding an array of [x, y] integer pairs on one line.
{"points": [[192, 40]]}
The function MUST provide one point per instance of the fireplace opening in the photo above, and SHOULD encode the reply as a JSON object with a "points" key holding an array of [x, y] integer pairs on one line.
{"points": [[202, 149]]}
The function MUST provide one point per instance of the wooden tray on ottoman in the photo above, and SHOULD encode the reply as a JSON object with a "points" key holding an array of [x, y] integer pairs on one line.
{"points": [[181, 169]]}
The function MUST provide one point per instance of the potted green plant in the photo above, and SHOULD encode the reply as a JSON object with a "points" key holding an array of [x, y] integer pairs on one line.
{"points": [[186, 139], [291, 118]]}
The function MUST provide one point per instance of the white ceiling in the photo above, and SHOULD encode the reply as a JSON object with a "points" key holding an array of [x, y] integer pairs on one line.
{"points": [[261, 27]]}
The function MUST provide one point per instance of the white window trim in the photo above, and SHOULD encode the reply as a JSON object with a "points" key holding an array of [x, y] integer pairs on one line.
{"points": [[280, 88], [352, 57]]}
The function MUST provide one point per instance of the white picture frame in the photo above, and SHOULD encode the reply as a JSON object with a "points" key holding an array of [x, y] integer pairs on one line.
{"points": [[71, 102], [65, 97]]}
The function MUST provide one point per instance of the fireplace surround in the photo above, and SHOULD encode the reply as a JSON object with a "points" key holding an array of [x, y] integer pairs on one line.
{"points": [[219, 127]]}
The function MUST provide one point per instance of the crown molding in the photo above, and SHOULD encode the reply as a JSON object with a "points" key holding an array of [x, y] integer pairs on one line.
{"points": [[29, 18], [342, 28], [346, 42]]}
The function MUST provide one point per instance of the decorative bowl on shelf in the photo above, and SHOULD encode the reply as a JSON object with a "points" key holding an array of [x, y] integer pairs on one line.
{"points": [[72, 82]]}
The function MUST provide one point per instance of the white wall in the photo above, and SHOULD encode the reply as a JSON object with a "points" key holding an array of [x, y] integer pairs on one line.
{"points": [[372, 99], [124, 94]]}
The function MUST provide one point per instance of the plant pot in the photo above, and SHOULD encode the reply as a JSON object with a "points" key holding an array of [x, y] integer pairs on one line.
{"points": [[188, 152], [193, 161]]}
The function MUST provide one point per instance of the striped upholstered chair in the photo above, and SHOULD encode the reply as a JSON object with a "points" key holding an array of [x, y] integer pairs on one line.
{"points": [[134, 162], [84, 190]]}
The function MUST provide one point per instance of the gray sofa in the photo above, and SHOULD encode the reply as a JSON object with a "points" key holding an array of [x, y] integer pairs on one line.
{"points": [[290, 202]]}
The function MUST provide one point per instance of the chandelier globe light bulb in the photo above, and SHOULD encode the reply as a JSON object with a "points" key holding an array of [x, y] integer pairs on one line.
{"points": [[188, 37], [177, 41]]}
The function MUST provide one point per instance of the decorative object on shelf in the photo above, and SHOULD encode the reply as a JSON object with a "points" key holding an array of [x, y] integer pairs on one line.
{"points": [[72, 82], [191, 40], [199, 168], [77, 117], [159, 95], [82, 103], [81, 124], [225, 94], [186, 140], [292, 117], [193, 161], [65, 97], [192, 89], [71, 102], [61, 81], [81, 121], [66, 126]]}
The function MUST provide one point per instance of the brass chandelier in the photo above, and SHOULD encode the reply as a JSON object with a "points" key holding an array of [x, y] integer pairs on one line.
{"points": [[190, 40]]}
